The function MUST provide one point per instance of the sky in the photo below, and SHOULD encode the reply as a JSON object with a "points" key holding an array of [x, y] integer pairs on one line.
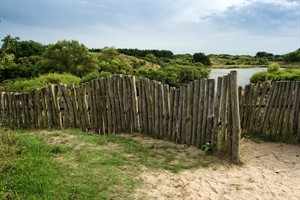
{"points": [[239, 27]]}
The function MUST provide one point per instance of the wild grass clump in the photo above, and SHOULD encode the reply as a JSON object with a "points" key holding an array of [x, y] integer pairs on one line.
{"points": [[222, 150]]}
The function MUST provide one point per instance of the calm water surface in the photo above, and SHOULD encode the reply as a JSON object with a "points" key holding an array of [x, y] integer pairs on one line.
{"points": [[244, 74]]}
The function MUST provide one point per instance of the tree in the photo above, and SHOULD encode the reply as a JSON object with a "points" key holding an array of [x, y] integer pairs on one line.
{"points": [[68, 56], [7, 51], [263, 54], [201, 57], [9, 45], [292, 56], [29, 48], [143, 53]]}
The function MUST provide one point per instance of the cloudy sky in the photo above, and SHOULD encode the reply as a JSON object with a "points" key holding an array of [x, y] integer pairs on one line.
{"points": [[183, 26]]}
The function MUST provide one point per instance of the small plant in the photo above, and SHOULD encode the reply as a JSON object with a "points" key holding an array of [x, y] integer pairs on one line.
{"points": [[251, 180], [56, 149], [237, 186], [273, 68], [207, 148]]}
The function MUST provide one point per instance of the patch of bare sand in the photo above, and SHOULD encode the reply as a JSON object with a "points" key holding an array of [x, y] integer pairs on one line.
{"points": [[270, 171]]}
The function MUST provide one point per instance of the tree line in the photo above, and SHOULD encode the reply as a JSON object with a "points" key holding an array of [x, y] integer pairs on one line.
{"points": [[292, 56], [143, 53], [20, 60], [71, 61]]}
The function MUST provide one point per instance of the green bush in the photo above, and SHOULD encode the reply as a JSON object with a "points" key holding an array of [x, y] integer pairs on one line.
{"points": [[111, 61], [94, 75], [67, 57], [279, 75], [174, 75], [273, 68], [27, 85]]}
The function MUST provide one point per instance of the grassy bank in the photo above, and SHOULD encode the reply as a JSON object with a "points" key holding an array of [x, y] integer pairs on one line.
{"points": [[287, 66], [275, 74], [71, 164]]}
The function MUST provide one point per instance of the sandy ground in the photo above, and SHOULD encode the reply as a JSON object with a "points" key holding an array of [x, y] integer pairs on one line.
{"points": [[270, 171]]}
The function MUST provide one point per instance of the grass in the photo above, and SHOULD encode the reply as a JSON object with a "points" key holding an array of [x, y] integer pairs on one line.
{"points": [[237, 66], [294, 65], [27, 85], [72, 164]]}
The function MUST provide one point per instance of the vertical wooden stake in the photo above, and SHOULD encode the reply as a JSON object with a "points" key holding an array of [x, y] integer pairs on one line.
{"points": [[236, 129]]}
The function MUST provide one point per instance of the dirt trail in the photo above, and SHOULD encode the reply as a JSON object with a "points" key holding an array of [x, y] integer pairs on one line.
{"points": [[270, 171]]}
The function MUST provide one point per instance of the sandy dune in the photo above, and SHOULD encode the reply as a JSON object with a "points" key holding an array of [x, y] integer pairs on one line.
{"points": [[270, 171]]}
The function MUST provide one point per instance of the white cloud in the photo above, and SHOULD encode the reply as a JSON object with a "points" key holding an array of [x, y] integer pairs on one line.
{"points": [[193, 11], [258, 17], [210, 26], [287, 4]]}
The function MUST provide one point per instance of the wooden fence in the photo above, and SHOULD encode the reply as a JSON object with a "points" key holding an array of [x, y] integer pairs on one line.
{"points": [[271, 110], [194, 114], [107, 105]]}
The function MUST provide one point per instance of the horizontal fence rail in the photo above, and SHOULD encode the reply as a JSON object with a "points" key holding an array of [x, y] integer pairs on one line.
{"points": [[195, 114]]}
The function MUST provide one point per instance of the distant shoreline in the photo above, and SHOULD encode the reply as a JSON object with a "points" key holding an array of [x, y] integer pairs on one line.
{"points": [[296, 66]]}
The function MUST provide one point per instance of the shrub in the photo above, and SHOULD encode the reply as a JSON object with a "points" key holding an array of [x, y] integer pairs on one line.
{"points": [[68, 56], [174, 75], [273, 68], [287, 75], [94, 75], [27, 85], [201, 57]]}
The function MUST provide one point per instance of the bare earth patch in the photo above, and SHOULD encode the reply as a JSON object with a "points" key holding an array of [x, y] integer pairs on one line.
{"points": [[270, 171], [161, 146]]}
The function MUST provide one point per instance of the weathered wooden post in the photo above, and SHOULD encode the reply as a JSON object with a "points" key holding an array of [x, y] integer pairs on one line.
{"points": [[236, 127]]}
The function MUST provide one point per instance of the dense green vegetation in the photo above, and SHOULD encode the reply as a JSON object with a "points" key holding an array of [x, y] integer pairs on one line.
{"points": [[28, 85], [21, 61], [72, 164], [261, 59], [41, 64], [67, 56], [19, 58], [292, 57], [274, 74], [144, 53]]}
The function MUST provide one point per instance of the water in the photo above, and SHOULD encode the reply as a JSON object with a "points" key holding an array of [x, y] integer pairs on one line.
{"points": [[244, 74]]}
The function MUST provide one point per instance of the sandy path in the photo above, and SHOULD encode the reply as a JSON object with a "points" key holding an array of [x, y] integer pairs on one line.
{"points": [[270, 171]]}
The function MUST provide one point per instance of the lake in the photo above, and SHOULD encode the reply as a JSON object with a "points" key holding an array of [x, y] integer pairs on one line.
{"points": [[244, 74]]}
